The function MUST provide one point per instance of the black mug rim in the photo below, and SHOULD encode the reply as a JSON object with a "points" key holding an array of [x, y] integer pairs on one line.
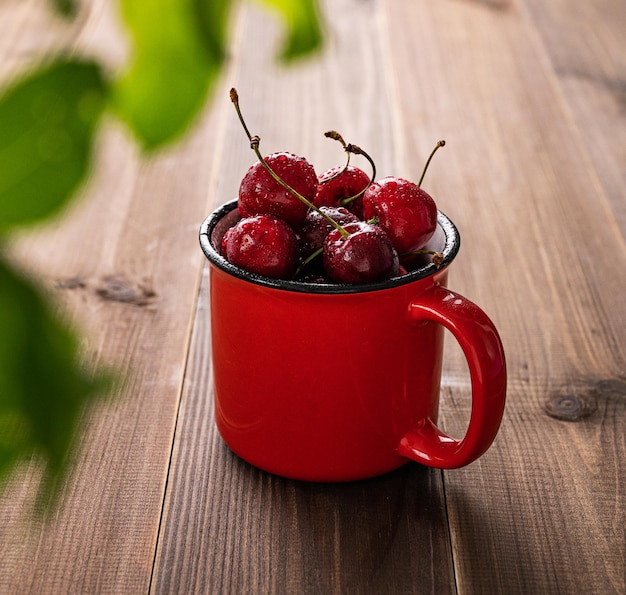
{"points": [[450, 250]]}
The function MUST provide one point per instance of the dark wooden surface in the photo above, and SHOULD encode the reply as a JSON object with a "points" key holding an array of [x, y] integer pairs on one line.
{"points": [[530, 99]]}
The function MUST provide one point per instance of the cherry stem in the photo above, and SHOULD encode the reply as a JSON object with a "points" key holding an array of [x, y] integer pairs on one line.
{"points": [[437, 256], [254, 144], [349, 148], [441, 143], [336, 136]]}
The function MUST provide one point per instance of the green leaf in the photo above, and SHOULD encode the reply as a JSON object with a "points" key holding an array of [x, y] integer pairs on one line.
{"points": [[43, 386], [303, 26], [213, 21], [177, 55], [47, 122], [66, 8]]}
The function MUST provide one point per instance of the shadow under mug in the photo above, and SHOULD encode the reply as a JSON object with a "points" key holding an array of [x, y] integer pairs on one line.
{"points": [[341, 382]]}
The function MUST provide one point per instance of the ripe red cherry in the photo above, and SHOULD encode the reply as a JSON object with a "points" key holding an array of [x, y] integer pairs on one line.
{"points": [[261, 194], [334, 188], [264, 245], [406, 213], [366, 255], [316, 227]]}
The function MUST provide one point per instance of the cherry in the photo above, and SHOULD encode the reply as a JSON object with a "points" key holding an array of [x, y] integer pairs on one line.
{"points": [[261, 194], [282, 190], [406, 212], [403, 210], [264, 245], [316, 226], [366, 255], [299, 163], [281, 184], [342, 186]]}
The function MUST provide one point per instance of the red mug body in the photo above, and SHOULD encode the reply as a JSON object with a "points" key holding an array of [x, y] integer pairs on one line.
{"points": [[335, 383]]}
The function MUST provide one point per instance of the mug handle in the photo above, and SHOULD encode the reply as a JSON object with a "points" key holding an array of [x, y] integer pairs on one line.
{"points": [[482, 347]]}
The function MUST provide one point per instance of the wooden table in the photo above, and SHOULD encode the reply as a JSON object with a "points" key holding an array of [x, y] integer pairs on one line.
{"points": [[530, 97]]}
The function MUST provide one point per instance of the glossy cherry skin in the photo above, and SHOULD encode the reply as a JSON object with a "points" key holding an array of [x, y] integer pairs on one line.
{"points": [[334, 188], [405, 211], [316, 227], [260, 194], [264, 245], [366, 255]]}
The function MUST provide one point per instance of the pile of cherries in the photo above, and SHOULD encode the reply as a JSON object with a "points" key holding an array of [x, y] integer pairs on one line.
{"points": [[342, 227]]}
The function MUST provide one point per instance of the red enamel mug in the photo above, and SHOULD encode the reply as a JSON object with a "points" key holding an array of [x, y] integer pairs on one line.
{"points": [[341, 382]]}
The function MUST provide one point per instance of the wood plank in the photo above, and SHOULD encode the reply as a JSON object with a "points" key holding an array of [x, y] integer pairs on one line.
{"points": [[230, 528], [244, 530], [586, 50], [130, 248], [543, 510], [28, 31]]}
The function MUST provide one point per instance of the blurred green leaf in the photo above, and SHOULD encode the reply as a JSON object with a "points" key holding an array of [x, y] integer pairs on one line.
{"points": [[43, 386], [172, 68], [303, 26], [47, 122], [213, 22], [66, 8]]}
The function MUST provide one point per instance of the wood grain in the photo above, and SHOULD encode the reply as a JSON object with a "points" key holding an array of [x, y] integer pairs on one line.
{"points": [[585, 48], [543, 511], [129, 250], [529, 97]]}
